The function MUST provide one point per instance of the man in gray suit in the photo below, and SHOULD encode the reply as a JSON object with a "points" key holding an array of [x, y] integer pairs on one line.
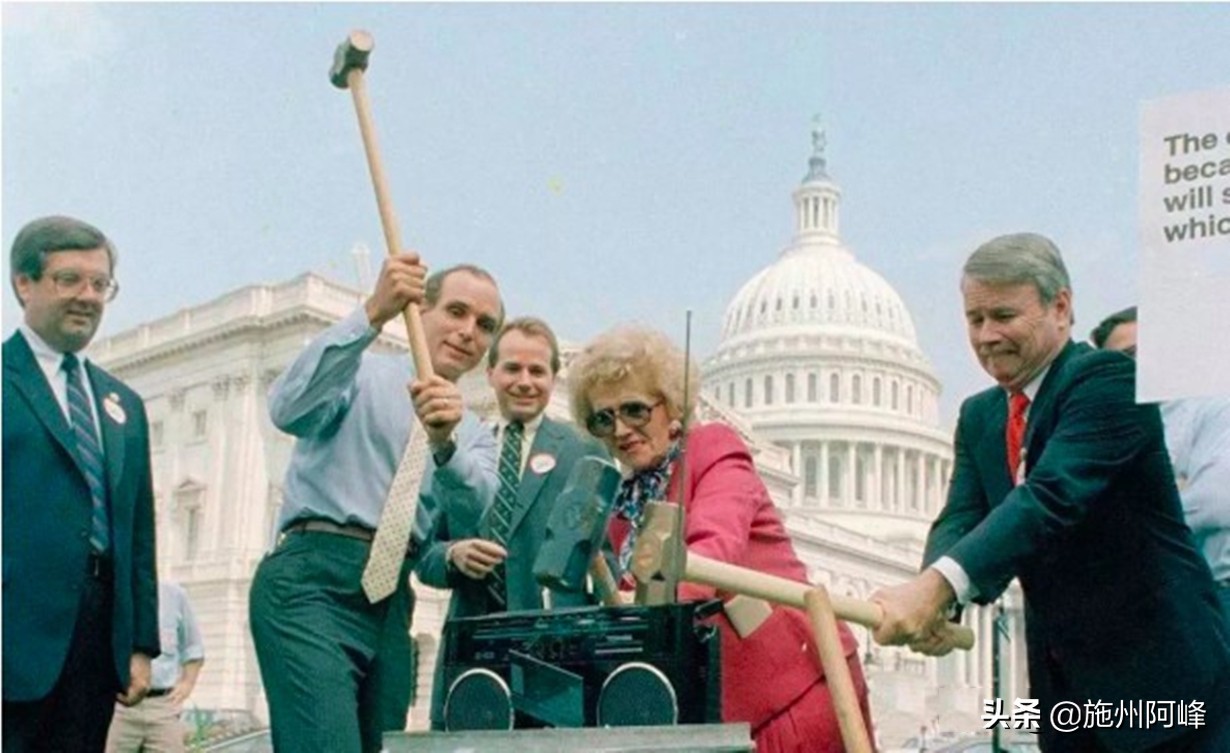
{"points": [[489, 563]]}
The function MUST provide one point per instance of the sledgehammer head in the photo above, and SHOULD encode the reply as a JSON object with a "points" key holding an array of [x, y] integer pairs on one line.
{"points": [[576, 527], [351, 55]]}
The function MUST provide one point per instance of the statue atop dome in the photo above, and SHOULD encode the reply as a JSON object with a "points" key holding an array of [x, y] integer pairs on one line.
{"points": [[816, 165], [818, 139]]}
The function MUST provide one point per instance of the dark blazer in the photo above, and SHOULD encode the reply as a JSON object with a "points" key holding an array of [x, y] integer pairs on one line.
{"points": [[537, 495], [1119, 604], [47, 514]]}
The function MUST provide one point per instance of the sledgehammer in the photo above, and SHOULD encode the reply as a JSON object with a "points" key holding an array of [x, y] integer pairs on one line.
{"points": [[349, 63]]}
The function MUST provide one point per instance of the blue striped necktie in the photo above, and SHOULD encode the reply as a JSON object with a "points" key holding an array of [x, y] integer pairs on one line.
{"points": [[504, 507], [89, 452]]}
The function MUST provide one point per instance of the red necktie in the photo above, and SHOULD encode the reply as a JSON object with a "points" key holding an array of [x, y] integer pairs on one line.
{"points": [[1018, 403]]}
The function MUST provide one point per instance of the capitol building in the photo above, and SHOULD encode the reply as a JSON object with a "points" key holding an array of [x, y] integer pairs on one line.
{"points": [[818, 368]]}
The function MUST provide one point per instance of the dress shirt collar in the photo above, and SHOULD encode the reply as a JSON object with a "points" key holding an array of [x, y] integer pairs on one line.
{"points": [[48, 357], [531, 426], [1035, 384]]}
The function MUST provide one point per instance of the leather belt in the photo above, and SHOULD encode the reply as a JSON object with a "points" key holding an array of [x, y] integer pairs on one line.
{"points": [[351, 531], [99, 566], [157, 692]]}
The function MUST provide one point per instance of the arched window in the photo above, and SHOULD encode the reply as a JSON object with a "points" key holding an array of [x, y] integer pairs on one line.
{"points": [[768, 390], [747, 393], [188, 500], [812, 389], [896, 402], [875, 392], [790, 388], [856, 388], [834, 388]]}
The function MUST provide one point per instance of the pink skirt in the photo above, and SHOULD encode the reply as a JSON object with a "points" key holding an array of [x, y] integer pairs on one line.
{"points": [[809, 725]]}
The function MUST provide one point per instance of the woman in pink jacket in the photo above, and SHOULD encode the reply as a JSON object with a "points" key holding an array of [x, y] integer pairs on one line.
{"points": [[628, 389]]}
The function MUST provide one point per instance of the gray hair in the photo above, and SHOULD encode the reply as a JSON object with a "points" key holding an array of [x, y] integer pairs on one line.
{"points": [[1019, 259]]}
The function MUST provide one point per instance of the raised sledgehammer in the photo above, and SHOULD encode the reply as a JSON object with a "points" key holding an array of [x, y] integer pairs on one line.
{"points": [[349, 64]]}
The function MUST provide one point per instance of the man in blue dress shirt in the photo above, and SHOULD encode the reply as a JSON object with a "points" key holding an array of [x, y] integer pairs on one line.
{"points": [[337, 667], [154, 725], [1198, 438]]}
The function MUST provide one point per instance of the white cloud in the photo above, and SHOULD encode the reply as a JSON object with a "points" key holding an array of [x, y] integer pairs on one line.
{"points": [[45, 42]]}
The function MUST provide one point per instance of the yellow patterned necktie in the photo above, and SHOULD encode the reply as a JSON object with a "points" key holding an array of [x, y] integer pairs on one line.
{"points": [[388, 551]]}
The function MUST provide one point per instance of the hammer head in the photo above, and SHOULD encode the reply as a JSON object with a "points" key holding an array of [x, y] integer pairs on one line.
{"points": [[576, 527], [351, 55], [659, 559]]}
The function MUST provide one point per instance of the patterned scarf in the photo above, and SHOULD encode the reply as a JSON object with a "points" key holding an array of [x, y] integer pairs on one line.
{"points": [[635, 491]]}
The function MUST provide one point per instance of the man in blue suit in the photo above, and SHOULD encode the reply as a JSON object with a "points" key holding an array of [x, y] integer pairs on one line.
{"points": [[80, 591], [1062, 480], [489, 563]]}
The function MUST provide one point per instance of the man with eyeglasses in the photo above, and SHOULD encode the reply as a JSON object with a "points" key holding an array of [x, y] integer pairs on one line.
{"points": [[1198, 439], [80, 590], [489, 564]]}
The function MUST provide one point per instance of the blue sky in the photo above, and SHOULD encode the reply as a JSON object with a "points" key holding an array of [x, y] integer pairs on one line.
{"points": [[607, 162]]}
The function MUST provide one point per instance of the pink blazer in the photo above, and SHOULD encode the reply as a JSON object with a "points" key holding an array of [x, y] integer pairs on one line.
{"points": [[730, 517]]}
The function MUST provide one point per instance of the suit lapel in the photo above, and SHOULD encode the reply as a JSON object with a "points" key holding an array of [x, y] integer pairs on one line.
{"points": [[112, 415], [31, 382], [992, 448], [545, 442], [1041, 409]]}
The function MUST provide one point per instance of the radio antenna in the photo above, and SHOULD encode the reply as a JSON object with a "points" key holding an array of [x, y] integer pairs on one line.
{"points": [[683, 423]]}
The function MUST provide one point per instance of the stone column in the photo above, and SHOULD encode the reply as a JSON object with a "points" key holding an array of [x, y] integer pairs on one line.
{"points": [[851, 469], [796, 462], [823, 494], [920, 480], [900, 473], [878, 486]]}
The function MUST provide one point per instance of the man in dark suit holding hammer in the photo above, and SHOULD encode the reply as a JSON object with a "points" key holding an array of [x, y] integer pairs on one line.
{"points": [[80, 591], [1062, 480], [490, 568]]}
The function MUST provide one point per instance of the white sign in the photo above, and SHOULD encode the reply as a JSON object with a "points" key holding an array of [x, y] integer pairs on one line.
{"points": [[1184, 331]]}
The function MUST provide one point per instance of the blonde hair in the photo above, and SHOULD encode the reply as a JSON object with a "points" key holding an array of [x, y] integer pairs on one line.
{"points": [[638, 352]]}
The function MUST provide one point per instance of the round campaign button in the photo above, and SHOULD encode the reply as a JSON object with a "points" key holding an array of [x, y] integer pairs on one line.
{"points": [[542, 463], [111, 404]]}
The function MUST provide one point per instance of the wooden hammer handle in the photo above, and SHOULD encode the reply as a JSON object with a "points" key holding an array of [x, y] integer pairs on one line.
{"points": [[727, 577], [837, 671], [605, 586], [388, 219]]}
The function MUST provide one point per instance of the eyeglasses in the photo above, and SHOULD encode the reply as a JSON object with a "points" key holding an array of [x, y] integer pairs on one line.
{"points": [[68, 282], [634, 414]]}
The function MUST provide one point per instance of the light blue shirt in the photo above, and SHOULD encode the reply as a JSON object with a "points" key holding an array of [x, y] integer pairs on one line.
{"points": [[1198, 437], [352, 415], [180, 636]]}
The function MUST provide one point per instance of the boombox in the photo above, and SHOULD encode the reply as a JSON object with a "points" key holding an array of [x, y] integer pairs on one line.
{"points": [[583, 667]]}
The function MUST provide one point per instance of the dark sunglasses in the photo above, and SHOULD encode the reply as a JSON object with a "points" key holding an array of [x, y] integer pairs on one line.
{"points": [[634, 415]]}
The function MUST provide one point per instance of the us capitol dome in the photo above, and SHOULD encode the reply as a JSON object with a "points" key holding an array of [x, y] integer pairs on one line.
{"points": [[819, 355]]}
